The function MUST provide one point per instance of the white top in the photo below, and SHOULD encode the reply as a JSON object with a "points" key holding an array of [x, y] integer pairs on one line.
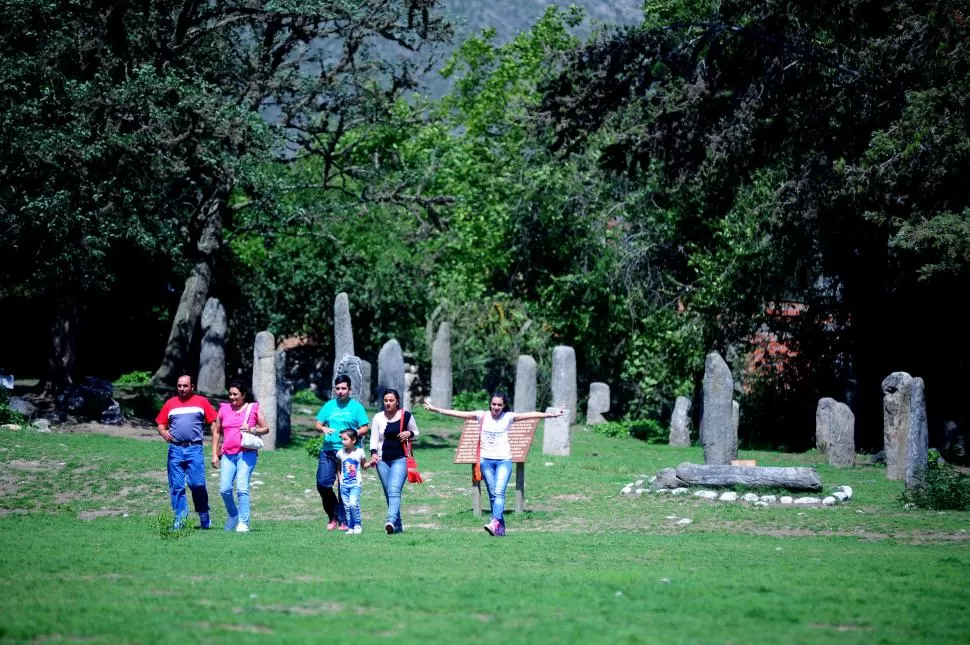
{"points": [[495, 435], [350, 464]]}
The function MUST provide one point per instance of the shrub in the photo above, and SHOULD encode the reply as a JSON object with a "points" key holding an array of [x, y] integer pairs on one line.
{"points": [[647, 430], [470, 400], [138, 377], [944, 489], [12, 416], [306, 397], [162, 523], [313, 446]]}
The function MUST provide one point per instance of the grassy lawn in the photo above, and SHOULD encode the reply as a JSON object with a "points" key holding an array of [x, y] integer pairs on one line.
{"points": [[83, 560]]}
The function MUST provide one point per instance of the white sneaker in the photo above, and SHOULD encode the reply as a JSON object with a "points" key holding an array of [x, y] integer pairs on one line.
{"points": [[350, 531], [242, 528], [358, 529]]}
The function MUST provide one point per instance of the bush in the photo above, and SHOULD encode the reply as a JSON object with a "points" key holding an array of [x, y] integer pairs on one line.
{"points": [[12, 416], [134, 378], [306, 397], [470, 401], [313, 446], [647, 430], [945, 488]]}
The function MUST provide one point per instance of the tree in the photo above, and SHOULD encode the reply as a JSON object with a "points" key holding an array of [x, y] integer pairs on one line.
{"points": [[798, 153], [132, 125]]}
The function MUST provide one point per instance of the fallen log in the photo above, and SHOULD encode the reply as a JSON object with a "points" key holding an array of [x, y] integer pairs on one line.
{"points": [[793, 479]]}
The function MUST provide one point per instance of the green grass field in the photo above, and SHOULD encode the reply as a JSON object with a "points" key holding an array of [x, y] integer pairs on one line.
{"points": [[84, 561]]}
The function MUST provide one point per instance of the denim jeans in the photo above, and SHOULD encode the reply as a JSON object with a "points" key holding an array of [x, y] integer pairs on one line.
{"points": [[350, 498], [393, 475], [187, 463], [237, 469], [496, 473], [327, 469]]}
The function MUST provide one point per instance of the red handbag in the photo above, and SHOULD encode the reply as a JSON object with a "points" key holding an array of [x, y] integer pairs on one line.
{"points": [[477, 468], [414, 476]]}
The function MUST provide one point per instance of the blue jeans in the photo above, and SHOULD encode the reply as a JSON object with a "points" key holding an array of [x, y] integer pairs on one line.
{"points": [[496, 473], [187, 463], [393, 475], [327, 469], [237, 469], [350, 497]]}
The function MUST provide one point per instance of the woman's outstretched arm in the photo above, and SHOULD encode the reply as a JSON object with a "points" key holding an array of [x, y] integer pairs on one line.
{"points": [[450, 413]]}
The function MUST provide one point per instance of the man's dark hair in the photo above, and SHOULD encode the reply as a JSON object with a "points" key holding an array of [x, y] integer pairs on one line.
{"points": [[343, 378]]}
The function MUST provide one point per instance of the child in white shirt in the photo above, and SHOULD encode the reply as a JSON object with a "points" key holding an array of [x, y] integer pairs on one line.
{"points": [[352, 460]]}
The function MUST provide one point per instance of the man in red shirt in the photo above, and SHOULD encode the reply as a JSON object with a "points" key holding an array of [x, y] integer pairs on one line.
{"points": [[181, 422]]}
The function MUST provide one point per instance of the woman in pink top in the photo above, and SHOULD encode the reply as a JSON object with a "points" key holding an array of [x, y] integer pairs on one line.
{"points": [[236, 463]]}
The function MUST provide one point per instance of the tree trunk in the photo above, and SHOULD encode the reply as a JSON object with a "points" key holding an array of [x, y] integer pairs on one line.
{"points": [[752, 477], [194, 294], [61, 351]]}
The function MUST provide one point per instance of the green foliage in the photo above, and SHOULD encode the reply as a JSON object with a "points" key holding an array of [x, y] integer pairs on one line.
{"points": [[647, 430], [8, 416], [306, 397], [313, 446], [470, 400], [134, 378], [945, 488]]}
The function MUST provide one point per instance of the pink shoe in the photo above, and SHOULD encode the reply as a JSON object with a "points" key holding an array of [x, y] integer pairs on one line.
{"points": [[344, 527], [492, 527], [332, 525], [500, 529]]}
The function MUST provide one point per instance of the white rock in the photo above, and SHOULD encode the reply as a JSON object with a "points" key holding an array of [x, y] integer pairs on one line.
{"points": [[749, 497], [630, 484], [549, 463], [652, 479], [807, 500], [639, 482], [626, 490], [760, 503], [671, 517], [618, 594], [785, 499], [729, 496], [684, 521], [839, 495], [665, 581], [257, 482], [828, 501], [706, 494], [769, 499], [639, 491], [663, 490], [307, 491], [680, 491], [290, 477], [847, 490]]}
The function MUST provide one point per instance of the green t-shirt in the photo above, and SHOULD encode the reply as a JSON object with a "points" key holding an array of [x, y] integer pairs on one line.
{"points": [[339, 417]]}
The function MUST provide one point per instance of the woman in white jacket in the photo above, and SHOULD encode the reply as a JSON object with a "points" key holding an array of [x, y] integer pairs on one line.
{"points": [[390, 430]]}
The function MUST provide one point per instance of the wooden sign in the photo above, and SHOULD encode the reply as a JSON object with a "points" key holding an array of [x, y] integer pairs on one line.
{"points": [[521, 434]]}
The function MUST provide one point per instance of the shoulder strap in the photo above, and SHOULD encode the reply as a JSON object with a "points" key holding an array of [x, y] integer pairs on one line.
{"points": [[248, 410]]}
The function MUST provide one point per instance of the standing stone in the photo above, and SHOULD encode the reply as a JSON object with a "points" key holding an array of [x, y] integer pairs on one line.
{"points": [[212, 357], [598, 403], [835, 432], [917, 439], [895, 422], [284, 401], [352, 367], [367, 384], [525, 385], [564, 380], [680, 423], [264, 382], [735, 420], [412, 387], [343, 333], [719, 435], [555, 434], [441, 367], [390, 369]]}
